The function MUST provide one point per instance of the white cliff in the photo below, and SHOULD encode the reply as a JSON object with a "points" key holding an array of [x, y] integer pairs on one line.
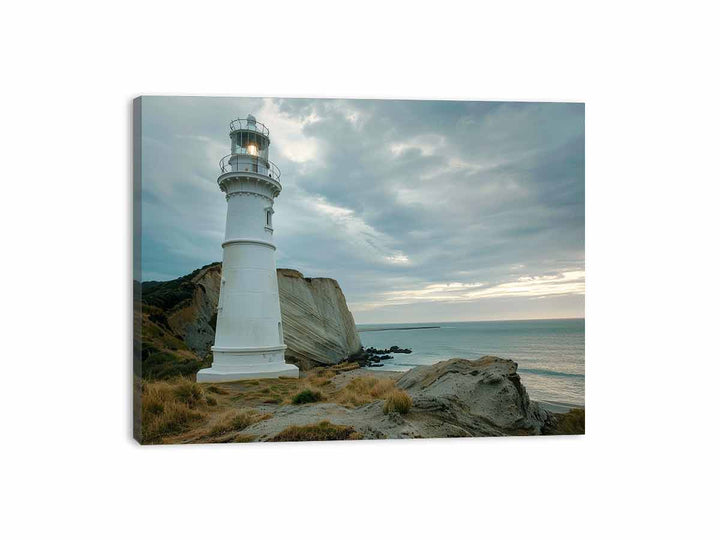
{"points": [[317, 324]]}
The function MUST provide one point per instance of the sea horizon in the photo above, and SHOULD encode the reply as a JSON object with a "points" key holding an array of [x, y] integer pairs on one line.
{"points": [[477, 321], [550, 353]]}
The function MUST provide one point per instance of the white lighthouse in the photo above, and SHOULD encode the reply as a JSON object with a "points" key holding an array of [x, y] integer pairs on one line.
{"points": [[249, 335]]}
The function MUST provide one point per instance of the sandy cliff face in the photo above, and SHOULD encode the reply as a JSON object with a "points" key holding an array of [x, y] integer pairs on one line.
{"points": [[317, 325]]}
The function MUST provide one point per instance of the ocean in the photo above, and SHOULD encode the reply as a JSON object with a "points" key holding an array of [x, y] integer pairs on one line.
{"points": [[550, 353]]}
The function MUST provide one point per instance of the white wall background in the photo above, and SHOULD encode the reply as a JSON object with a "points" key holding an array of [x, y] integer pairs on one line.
{"points": [[647, 467]]}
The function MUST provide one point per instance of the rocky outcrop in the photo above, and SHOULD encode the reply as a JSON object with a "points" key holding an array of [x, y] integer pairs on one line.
{"points": [[454, 398], [317, 325], [481, 397]]}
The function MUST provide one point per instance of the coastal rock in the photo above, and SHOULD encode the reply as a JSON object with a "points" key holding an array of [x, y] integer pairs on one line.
{"points": [[483, 397], [317, 325]]}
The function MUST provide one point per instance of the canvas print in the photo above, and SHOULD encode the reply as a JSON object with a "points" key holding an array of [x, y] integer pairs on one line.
{"points": [[326, 269]]}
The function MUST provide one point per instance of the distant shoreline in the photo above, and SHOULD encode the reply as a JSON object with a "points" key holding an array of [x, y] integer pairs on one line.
{"points": [[405, 328]]}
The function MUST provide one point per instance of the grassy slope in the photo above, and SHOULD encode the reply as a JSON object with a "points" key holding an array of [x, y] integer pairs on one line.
{"points": [[163, 354], [167, 295]]}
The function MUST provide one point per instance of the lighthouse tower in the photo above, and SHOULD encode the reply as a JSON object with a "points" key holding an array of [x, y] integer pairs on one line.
{"points": [[249, 335]]}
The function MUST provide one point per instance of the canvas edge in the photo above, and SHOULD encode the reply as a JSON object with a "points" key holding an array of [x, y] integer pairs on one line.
{"points": [[137, 277]]}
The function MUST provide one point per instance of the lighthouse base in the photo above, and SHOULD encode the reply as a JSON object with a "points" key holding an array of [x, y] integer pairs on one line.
{"points": [[236, 364]]}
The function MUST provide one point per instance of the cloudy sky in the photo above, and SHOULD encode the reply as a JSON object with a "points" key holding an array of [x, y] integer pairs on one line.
{"points": [[423, 210]]}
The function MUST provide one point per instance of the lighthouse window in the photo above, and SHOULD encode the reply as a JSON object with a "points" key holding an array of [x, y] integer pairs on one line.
{"points": [[268, 217]]}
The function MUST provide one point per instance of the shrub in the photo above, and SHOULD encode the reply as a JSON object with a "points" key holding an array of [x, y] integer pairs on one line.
{"points": [[397, 401], [323, 431], [188, 392], [306, 396], [570, 423]]}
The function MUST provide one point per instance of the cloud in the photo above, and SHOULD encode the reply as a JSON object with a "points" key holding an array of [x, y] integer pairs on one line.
{"points": [[570, 282], [287, 132], [467, 207]]}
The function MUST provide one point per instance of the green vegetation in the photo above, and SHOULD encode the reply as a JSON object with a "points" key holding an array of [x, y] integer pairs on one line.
{"points": [[397, 401], [323, 431], [158, 365], [167, 294], [570, 423], [306, 396], [160, 354]]}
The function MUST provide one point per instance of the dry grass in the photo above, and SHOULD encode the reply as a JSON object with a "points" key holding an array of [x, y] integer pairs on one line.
{"points": [[348, 366], [322, 431], [324, 375], [259, 391], [236, 421], [241, 438], [364, 390], [170, 407], [188, 392], [182, 411], [317, 385], [397, 401]]}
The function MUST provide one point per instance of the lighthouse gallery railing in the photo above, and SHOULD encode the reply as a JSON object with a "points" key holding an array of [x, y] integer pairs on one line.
{"points": [[226, 165], [249, 125]]}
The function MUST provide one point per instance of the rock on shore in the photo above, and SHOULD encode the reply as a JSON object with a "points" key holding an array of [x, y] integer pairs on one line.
{"points": [[480, 397]]}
